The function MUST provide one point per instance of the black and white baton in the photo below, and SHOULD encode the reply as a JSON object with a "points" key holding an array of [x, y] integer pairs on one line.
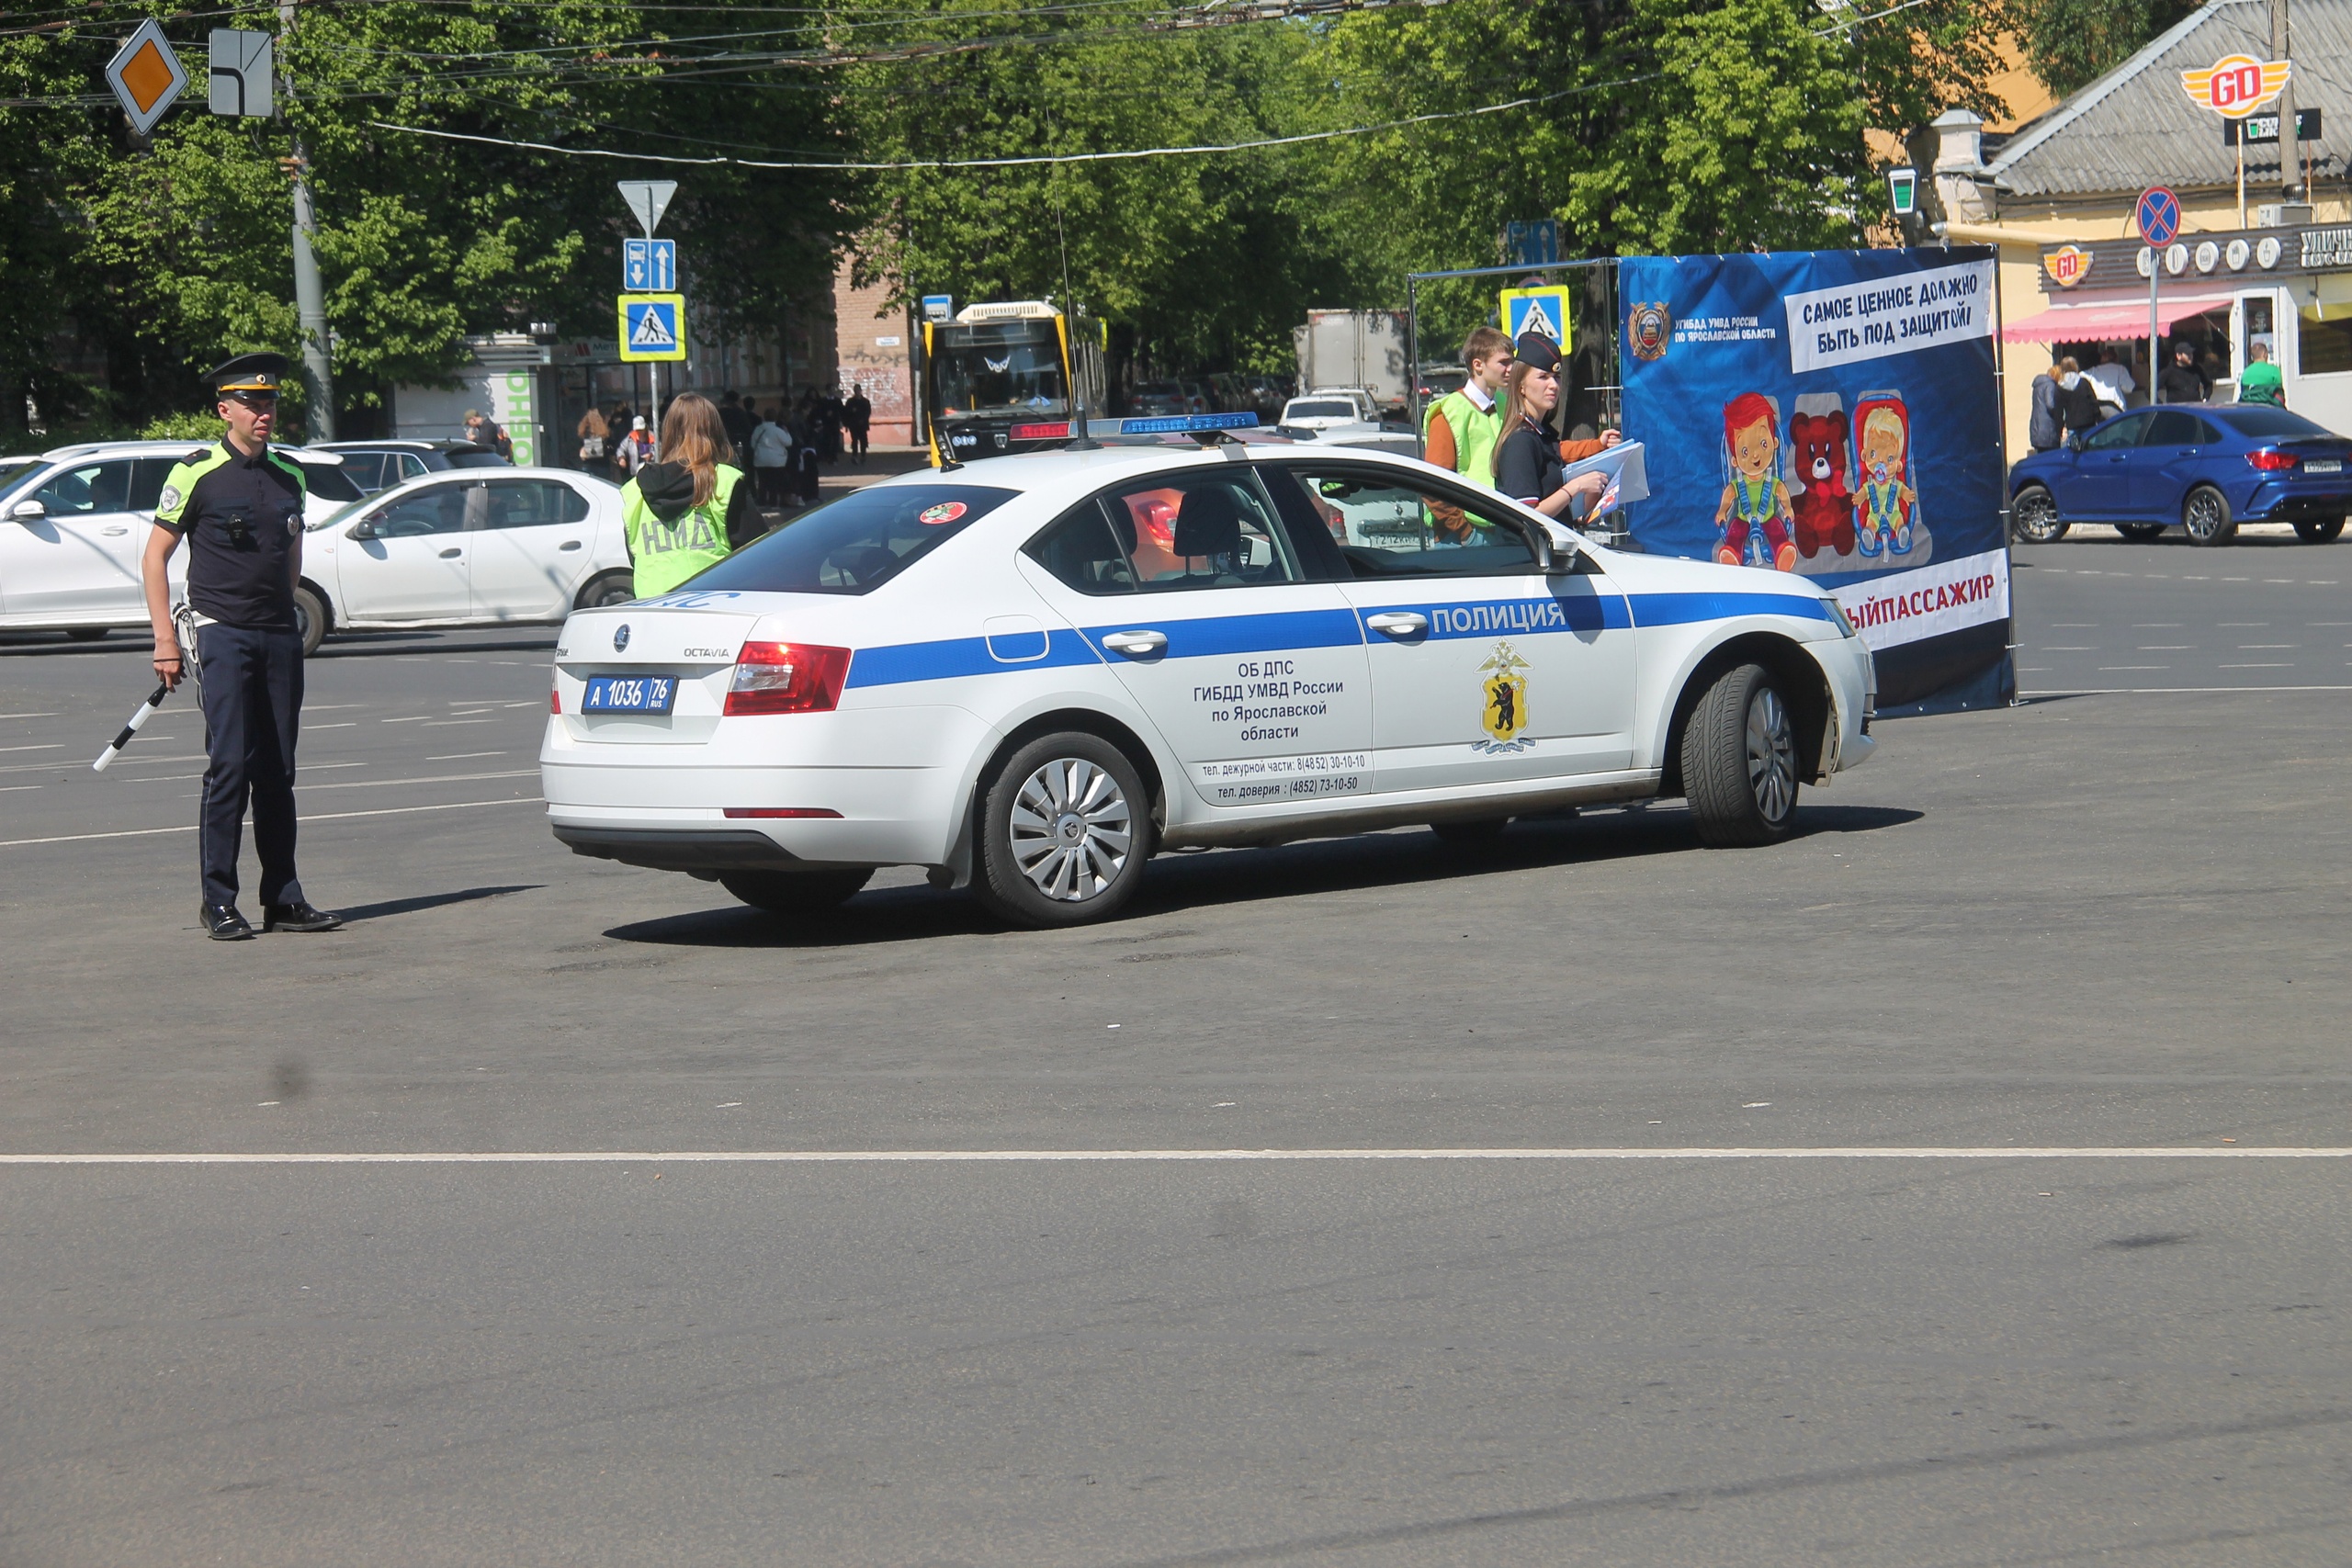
{"points": [[146, 711]]}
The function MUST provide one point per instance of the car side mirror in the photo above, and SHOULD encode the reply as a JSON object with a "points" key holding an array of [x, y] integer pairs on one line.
{"points": [[364, 529], [27, 512]]}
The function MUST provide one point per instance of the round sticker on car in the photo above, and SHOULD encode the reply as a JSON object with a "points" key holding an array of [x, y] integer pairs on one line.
{"points": [[945, 512]]}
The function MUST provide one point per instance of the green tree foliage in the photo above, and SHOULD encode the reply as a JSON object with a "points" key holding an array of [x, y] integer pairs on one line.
{"points": [[2070, 43], [175, 255]]}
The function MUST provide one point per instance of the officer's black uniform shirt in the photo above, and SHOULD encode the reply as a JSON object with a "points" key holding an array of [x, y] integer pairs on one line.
{"points": [[241, 517], [1527, 463]]}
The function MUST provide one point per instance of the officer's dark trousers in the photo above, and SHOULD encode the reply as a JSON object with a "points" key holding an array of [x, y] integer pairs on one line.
{"points": [[252, 707]]}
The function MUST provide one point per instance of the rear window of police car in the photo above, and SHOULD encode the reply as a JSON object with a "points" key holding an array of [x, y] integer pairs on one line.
{"points": [[856, 544]]}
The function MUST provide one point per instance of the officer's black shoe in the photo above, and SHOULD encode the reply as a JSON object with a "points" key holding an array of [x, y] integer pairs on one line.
{"points": [[222, 924], [297, 918]]}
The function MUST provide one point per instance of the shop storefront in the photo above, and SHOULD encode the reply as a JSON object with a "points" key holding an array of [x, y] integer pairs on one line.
{"points": [[2289, 290]]}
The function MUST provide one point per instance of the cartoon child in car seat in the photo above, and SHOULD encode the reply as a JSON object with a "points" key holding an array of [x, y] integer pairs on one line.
{"points": [[1885, 502], [1755, 514]]}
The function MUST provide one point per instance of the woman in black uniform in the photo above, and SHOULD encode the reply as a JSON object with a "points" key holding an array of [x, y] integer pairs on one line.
{"points": [[1527, 463]]}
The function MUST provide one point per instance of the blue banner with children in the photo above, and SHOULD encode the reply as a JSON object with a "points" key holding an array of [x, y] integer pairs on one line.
{"points": [[1834, 414]]}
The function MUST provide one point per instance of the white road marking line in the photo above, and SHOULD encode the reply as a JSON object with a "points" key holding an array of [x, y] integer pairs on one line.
{"points": [[320, 817], [412, 718], [2262, 646], [51, 745], [339, 724], [2110, 669], [28, 716], [2257, 666], [464, 756], [16, 789], [445, 723], [2164, 647], [1090, 1156]]}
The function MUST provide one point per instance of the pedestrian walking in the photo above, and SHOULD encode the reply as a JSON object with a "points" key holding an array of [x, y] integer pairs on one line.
{"points": [[771, 460], [2263, 382], [637, 448], [2112, 379], [691, 508], [857, 418], [2079, 410], [484, 431], [593, 433], [737, 419], [2183, 381], [2045, 426], [805, 458], [239, 506]]}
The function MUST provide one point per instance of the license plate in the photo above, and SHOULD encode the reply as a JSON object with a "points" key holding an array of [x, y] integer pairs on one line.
{"points": [[629, 694], [2324, 466]]}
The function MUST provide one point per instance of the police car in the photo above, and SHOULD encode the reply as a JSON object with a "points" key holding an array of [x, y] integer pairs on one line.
{"points": [[1029, 675]]}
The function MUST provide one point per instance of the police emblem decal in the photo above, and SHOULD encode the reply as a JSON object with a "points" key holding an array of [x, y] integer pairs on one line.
{"points": [[1503, 695], [1648, 328], [620, 639]]}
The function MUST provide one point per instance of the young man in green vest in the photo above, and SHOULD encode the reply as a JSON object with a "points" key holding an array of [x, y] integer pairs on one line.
{"points": [[1463, 428]]}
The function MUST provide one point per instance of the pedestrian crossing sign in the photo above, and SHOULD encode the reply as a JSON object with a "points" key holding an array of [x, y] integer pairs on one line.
{"points": [[653, 326], [1541, 310]]}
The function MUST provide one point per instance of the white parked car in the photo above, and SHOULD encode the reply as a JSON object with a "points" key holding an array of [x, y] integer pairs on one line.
{"points": [[1329, 409], [74, 526], [468, 547], [1030, 675]]}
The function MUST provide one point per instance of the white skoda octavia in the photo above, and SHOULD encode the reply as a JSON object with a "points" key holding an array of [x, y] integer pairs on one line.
{"points": [[1029, 675]]}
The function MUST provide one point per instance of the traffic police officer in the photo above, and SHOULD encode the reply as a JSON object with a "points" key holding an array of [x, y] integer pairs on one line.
{"points": [[239, 505]]}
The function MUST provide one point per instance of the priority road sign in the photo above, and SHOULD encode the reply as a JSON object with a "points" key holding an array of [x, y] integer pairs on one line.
{"points": [[240, 78], [2157, 214], [1541, 310], [654, 326], [146, 76], [648, 266]]}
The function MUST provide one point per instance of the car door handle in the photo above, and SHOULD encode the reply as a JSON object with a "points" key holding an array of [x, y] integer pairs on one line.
{"points": [[569, 545], [114, 533], [1397, 623], [1136, 645], [451, 555]]}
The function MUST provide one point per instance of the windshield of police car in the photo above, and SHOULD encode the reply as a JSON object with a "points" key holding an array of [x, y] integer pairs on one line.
{"points": [[856, 544]]}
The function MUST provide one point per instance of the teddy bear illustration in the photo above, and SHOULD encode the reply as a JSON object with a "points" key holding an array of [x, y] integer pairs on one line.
{"points": [[1825, 504], [1754, 514], [1885, 506]]}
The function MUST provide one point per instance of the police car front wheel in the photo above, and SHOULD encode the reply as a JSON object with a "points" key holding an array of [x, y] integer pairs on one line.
{"points": [[1739, 760], [1065, 830]]}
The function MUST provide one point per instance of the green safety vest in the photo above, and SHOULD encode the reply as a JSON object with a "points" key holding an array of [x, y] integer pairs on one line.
{"points": [[668, 553], [1477, 433]]}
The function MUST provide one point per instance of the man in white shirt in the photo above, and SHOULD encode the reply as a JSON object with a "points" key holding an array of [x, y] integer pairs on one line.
{"points": [[2111, 380]]}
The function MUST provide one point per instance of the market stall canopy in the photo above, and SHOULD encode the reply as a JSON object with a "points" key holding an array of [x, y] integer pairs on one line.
{"points": [[2117, 316]]}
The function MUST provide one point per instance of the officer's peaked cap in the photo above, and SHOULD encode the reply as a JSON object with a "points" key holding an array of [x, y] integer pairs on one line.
{"points": [[249, 373], [1535, 349]]}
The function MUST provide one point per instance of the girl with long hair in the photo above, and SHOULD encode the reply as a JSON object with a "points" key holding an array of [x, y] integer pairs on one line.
{"points": [[1527, 463], [691, 507]]}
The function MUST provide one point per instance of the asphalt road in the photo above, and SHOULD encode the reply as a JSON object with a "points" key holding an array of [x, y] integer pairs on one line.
{"points": [[2098, 921]]}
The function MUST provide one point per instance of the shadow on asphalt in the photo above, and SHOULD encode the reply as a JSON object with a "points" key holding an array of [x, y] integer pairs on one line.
{"points": [[433, 901], [359, 645], [1181, 881]]}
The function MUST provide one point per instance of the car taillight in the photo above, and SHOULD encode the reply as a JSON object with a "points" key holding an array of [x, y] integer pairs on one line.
{"points": [[2271, 460], [555, 700], [786, 677]]}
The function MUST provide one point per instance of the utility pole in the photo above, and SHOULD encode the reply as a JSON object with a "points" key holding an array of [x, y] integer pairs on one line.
{"points": [[309, 299], [2291, 148]]}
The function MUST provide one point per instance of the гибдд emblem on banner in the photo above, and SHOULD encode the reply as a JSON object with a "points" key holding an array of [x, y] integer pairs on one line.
{"points": [[1505, 714], [1648, 328]]}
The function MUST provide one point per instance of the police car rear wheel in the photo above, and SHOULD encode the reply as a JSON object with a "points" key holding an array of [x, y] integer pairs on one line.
{"points": [[796, 894], [1065, 830], [311, 618], [1739, 760]]}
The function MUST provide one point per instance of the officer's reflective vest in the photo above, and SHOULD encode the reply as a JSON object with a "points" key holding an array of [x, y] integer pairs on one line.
{"points": [[1477, 433], [668, 553]]}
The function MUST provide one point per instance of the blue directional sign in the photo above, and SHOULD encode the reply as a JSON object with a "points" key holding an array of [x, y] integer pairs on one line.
{"points": [[654, 326], [649, 267], [2158, 216]]}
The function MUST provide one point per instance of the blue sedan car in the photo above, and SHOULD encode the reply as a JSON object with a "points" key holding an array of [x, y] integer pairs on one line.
{"points": [[2203, 468]]}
